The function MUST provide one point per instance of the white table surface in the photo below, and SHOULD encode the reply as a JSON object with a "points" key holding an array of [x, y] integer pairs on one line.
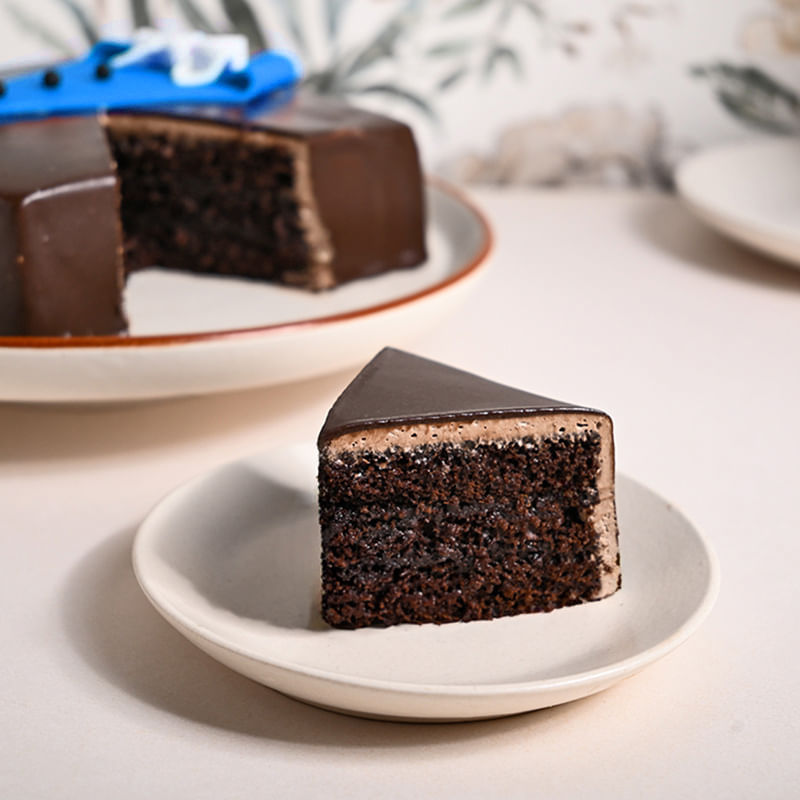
{"points": [[620, 301]]}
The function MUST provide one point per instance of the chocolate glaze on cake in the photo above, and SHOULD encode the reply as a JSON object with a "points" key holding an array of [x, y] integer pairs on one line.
{"points": [[313, 194], [60, 245], [445, 497]]}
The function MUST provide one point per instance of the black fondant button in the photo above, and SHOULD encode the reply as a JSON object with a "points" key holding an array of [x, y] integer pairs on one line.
{"points": [[103, 72], [240, 80], [2, 89], [51, 78]]}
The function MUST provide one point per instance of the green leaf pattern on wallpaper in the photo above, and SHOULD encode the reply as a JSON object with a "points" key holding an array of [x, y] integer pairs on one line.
{"points": [[754, 97], [365, 67], [411, 56]]}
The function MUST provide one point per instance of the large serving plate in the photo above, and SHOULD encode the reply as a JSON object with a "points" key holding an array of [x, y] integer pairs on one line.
{"points": [[232, 560], [194, 334]]}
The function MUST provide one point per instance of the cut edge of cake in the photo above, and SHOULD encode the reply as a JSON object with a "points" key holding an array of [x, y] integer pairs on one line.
{"points": [[320, 274], [542, 423]]}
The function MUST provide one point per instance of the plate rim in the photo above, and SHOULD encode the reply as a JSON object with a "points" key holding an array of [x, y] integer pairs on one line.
{"points": [[609, 672], [739, 226], [111, 341]]}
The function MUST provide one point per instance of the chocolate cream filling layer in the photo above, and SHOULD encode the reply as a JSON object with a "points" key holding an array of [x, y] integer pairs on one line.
{"points": [[498, 431]]}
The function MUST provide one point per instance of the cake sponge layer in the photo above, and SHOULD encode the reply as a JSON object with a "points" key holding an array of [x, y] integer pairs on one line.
{"points": [[467, 519]]}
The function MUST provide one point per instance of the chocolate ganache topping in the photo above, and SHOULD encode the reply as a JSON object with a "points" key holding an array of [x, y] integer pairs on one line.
{"points": [[398, 388]]}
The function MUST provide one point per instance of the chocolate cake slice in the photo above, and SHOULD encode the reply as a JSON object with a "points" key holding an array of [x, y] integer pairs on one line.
{"points": [[444, 496]]}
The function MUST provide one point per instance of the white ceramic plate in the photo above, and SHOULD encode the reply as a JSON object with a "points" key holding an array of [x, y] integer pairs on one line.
{"points": [[193, 334], [749, 191], [232, 561]]}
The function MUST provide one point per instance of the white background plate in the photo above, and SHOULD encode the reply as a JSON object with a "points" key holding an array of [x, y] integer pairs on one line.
{"points": [[194, 334], [232, 561], [749, 191]]}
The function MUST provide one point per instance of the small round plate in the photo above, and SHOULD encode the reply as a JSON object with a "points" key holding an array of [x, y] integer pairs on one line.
{"points": [[196, 334], [232, 561], [749, 191]]}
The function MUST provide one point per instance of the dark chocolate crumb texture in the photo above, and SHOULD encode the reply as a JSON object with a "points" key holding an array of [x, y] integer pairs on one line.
{"points": [[444, 497]]}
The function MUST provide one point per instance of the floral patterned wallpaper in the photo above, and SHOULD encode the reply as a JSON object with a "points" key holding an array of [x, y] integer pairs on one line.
{"points": [[511, 92]]}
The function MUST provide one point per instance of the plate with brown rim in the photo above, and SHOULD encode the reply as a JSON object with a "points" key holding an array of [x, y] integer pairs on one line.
{"points": [[196, 334]]}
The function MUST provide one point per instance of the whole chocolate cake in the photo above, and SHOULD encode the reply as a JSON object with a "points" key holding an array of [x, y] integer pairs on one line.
{"points": [[444, 496], [311, 193]]}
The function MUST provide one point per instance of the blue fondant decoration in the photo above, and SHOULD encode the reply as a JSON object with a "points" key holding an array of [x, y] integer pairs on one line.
{"points": [[145, 84]]}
